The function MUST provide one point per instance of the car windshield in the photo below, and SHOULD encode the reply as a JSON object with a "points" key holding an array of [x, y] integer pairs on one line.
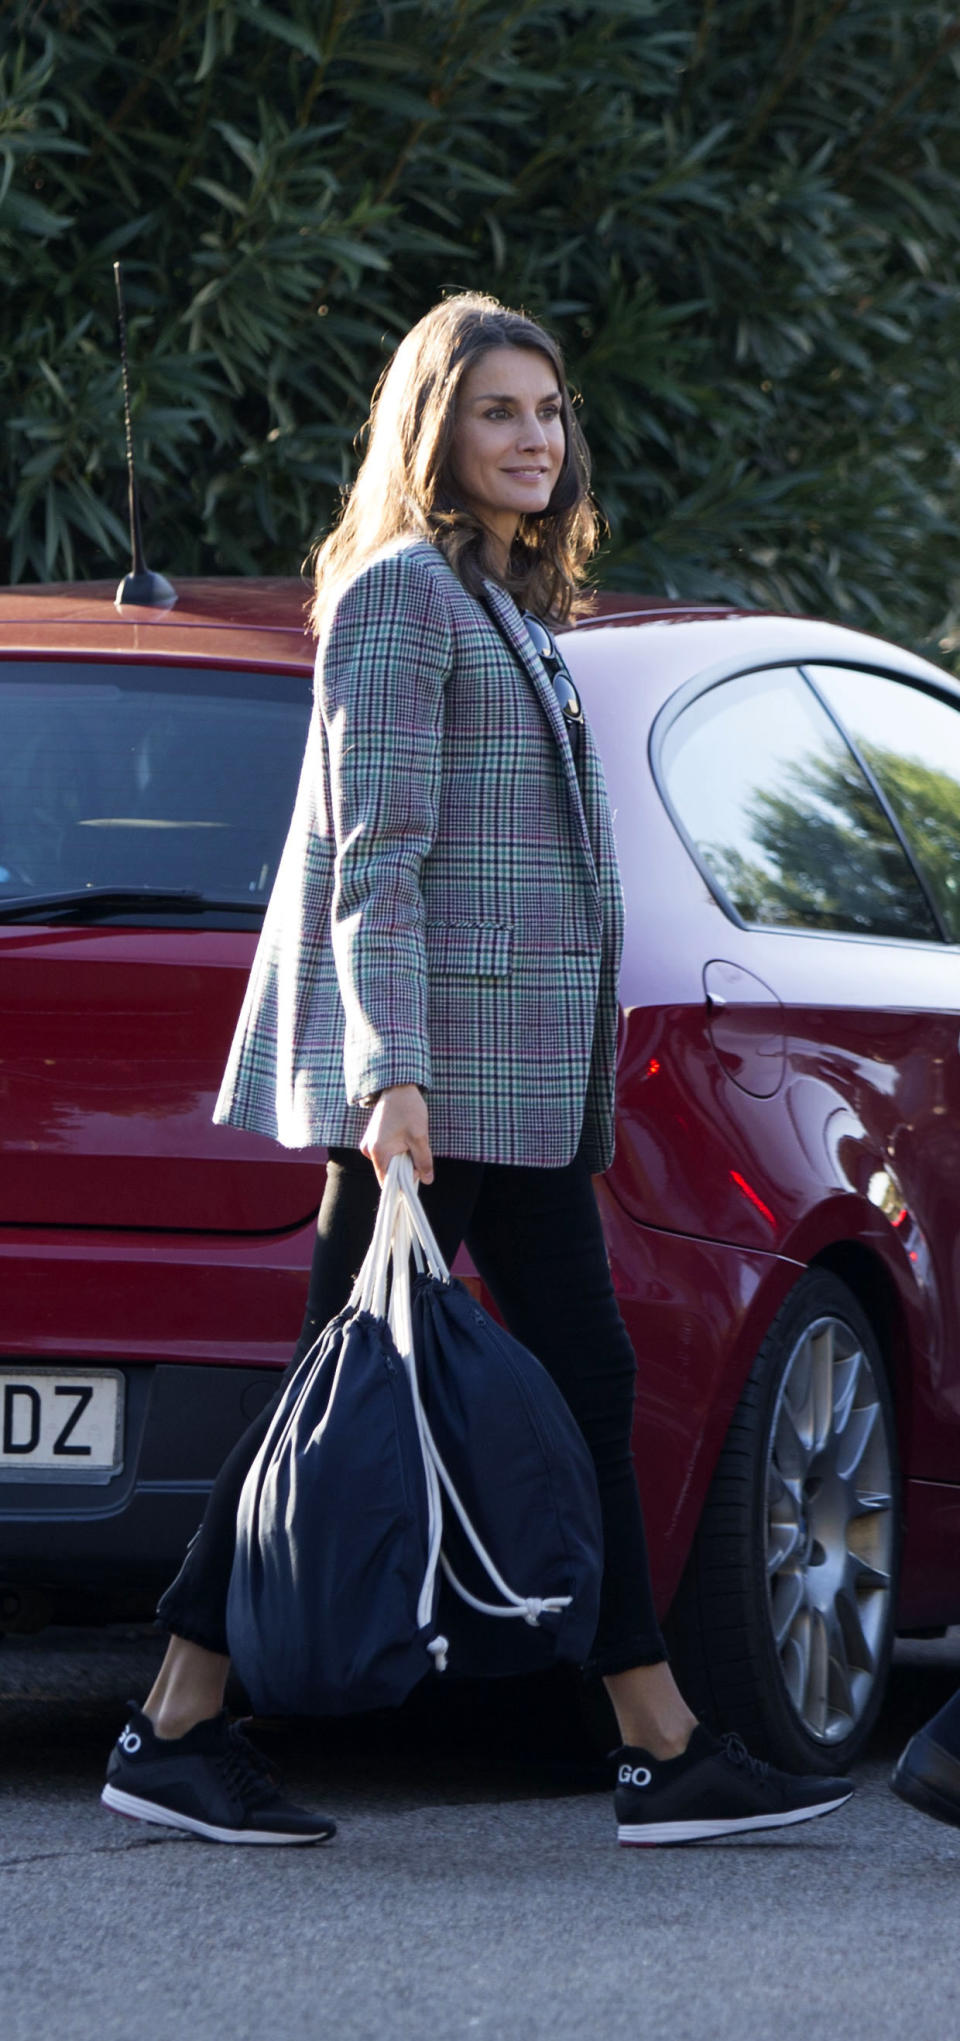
{"points": [[160, 779]]}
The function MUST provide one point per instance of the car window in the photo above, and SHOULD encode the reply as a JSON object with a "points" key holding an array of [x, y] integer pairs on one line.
{"points": [[774, 803], [911, 743], [146, 776]]}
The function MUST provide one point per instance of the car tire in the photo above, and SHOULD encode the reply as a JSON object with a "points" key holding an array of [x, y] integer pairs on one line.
{"points": [[783, 1625]]}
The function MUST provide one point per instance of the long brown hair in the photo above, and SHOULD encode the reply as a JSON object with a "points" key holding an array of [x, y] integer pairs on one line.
{"points": [[405, 486]]}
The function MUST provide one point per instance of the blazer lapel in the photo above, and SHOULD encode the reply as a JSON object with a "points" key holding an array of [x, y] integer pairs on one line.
{"points": [[506, 616]]}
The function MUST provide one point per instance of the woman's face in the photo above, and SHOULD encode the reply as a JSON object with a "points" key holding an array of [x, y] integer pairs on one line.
{"points": [[508, 438]]}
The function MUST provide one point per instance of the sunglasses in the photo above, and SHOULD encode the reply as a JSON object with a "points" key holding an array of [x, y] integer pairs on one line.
{"points": [[550, 656]]}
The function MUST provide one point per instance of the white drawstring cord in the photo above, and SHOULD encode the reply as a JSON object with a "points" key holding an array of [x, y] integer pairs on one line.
{"points": [[402, 1213], [530, 1607], [402, 1329]]}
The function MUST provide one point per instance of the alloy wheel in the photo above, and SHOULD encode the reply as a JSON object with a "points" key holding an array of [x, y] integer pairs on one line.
{"points": [[830, 1529]]}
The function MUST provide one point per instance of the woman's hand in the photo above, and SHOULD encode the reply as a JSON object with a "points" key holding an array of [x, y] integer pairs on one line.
{"points": [[398, 1126]]}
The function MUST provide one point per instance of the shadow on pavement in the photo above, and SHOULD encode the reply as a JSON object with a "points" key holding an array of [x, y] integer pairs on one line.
{"points": [[63, 1693]]}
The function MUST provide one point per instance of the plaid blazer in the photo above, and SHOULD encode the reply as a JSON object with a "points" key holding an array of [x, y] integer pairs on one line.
{"points": [[447, 911]]}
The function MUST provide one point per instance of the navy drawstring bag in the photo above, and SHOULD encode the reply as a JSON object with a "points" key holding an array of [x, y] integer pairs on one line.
{"points": [[423, 1498], [518, 1465]]}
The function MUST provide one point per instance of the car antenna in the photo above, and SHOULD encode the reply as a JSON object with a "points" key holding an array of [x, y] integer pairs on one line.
{"points": [[140, 586]]}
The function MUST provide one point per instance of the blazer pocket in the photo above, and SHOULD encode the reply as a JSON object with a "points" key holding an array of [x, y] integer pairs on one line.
{"points": [[469, 949]]}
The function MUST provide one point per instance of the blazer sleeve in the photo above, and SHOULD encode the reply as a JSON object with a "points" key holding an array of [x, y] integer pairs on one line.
{"points": [[381, 681]]}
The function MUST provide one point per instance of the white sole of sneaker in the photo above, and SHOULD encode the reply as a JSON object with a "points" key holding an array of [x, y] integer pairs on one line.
{"points": [[636, 1833], [165, 1817]]}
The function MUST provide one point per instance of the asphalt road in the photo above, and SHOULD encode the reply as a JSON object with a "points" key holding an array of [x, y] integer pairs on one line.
{"points": [[475, 1889]]}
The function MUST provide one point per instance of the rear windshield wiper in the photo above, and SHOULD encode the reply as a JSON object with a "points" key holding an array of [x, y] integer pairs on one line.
{"points": [[95, 903]]}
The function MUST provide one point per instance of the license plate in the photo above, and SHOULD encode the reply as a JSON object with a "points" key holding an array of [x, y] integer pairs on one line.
{"points": [[60, 1424]]}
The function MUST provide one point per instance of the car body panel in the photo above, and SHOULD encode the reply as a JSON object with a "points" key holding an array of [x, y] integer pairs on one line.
{"points": [[234, 613], [696, 1311], [112, 1040], [861, 1139], [154, 1296]]}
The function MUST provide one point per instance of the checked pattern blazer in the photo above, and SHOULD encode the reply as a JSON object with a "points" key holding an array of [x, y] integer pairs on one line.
{"points": [[447, 911]]}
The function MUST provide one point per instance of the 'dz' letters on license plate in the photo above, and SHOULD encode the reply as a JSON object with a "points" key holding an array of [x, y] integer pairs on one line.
{"points": [[60, 1424]]}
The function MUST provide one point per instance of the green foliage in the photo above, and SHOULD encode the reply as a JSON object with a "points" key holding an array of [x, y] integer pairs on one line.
{"points": [[743, 220], [830, 857], [924, 802]]}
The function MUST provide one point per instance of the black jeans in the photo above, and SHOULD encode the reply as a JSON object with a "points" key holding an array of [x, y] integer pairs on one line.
{"points": [[536, 1239]]}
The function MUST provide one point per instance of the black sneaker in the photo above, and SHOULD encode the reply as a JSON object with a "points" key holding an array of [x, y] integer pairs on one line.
{"points": [[714, 1788], [211, 1783], [928, 1777]]}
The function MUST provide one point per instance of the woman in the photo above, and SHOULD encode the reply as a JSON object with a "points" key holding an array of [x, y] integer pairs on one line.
{"points": [[437, 975]]}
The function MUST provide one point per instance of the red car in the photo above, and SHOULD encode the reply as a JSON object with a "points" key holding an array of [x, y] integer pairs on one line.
{"points": [[783, 1213]]}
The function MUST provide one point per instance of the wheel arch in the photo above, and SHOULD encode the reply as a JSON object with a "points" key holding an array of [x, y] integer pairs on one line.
{"points": [[866, 1274]]}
